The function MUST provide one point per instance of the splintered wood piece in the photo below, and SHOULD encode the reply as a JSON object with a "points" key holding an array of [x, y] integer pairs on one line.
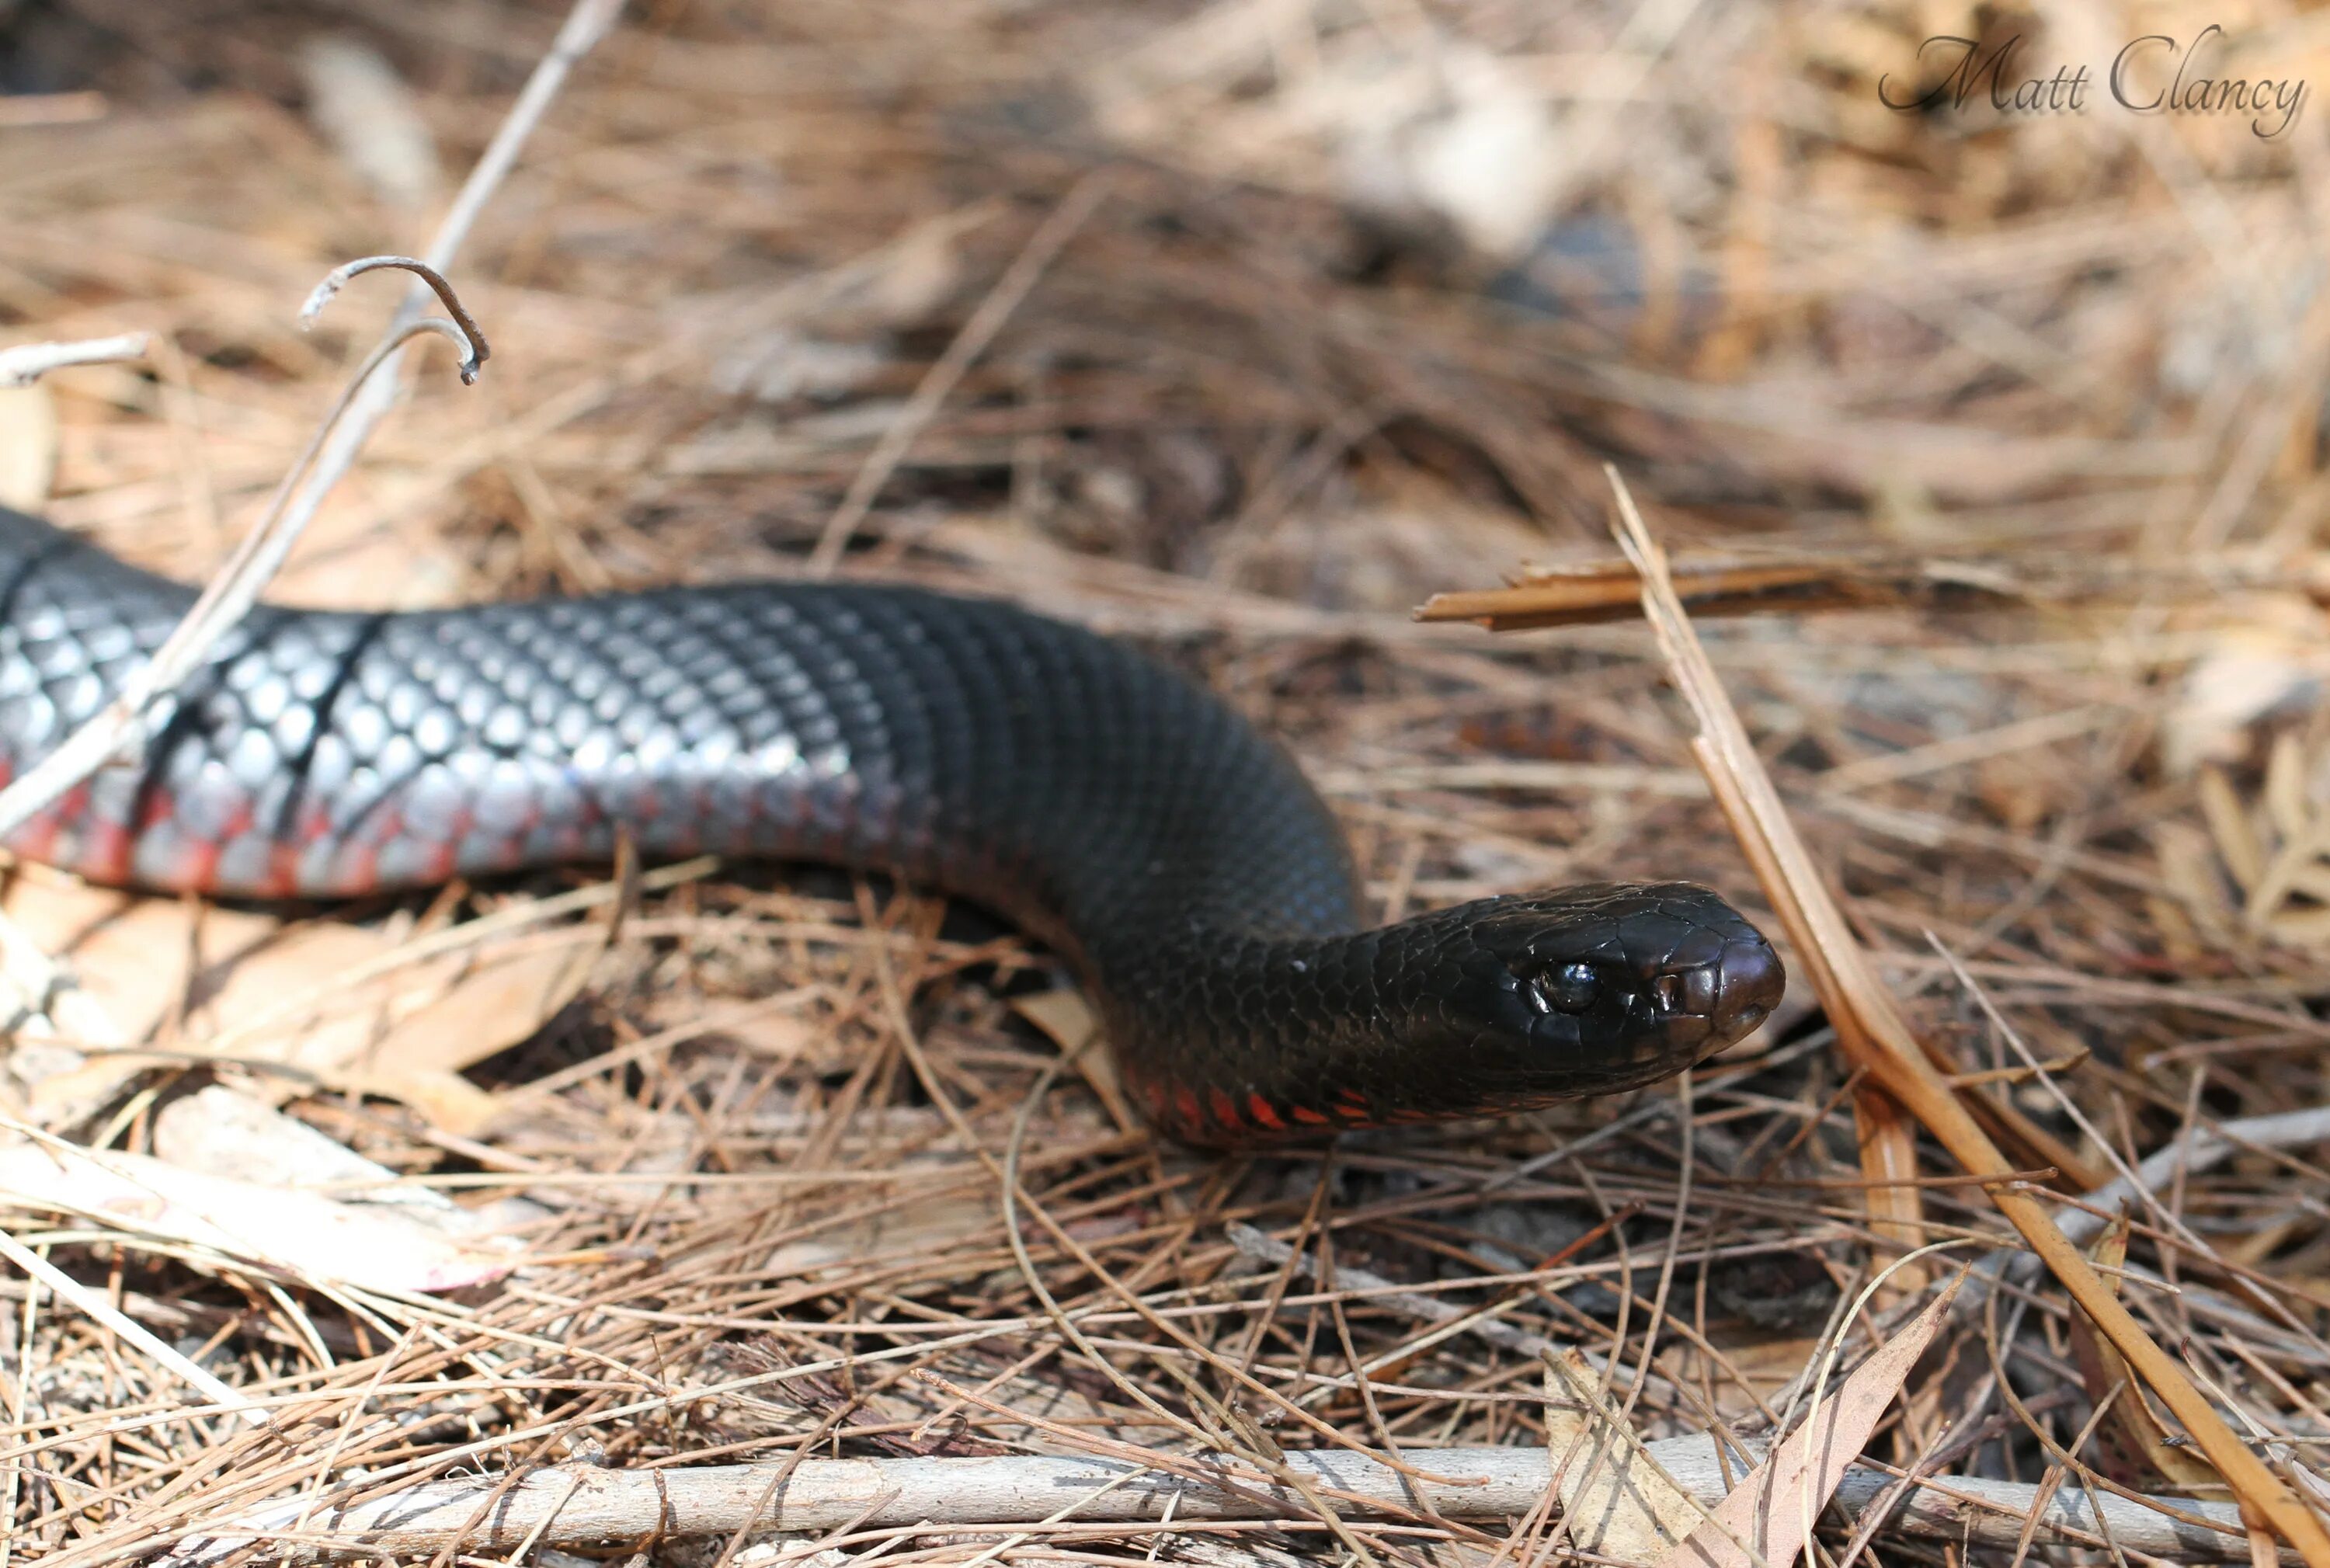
{"points": [[1588, 592]]}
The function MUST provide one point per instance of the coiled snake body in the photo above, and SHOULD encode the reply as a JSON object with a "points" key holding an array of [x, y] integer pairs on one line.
{"points": [[1115, 809]]}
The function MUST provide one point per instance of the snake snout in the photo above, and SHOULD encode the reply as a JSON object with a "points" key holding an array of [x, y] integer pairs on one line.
{"points": [[1713, 979], [1748, 981]]}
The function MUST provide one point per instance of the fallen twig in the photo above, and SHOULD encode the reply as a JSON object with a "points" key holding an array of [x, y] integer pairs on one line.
{"points": [[433, 280], [578, 1505], [1715, 585]]}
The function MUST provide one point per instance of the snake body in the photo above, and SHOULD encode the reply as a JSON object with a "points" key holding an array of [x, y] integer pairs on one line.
{"points": [[1115, 809]]}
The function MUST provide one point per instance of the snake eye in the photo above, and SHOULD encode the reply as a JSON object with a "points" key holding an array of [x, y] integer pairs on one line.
{"points": [[1570, 988]]}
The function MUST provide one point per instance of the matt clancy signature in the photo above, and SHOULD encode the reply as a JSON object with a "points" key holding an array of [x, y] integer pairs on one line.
{"points": [[2273, 104]]}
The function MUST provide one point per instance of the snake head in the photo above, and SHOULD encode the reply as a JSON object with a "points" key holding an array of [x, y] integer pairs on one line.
{"points": [[1612, 986]]}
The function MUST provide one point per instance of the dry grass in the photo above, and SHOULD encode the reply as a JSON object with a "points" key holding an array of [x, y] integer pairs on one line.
{"points": [[774, 275]]}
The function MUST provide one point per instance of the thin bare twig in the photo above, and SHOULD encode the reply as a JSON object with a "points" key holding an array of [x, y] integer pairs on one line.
{"points": [[2207, 1148], [28, 362], [584, 26]]}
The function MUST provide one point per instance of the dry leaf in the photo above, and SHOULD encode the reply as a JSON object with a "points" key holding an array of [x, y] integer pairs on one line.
{"points": [[497, 999], [1617, 1501], [328, 1000], [2229, 824], [1749, 1374], [302, 1233], [1489, 161], [2189, 865], [216, 1131], [447, 1101], [2265, 652], [1773, 1509], [782, 1038], [1069, 1022]]}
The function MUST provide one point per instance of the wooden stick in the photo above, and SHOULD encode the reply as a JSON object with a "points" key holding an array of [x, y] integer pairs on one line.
{"points": [[582, 1505], [1873, 1033]]}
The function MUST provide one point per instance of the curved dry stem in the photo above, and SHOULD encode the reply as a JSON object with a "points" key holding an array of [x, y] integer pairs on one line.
{"points": [[475, 350]]}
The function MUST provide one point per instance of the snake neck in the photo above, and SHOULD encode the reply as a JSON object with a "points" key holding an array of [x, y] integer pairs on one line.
{"points": [[1231, 1041]]}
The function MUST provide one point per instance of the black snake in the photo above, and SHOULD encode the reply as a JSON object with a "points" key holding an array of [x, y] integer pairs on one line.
{"points": [[1114, 809]]}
